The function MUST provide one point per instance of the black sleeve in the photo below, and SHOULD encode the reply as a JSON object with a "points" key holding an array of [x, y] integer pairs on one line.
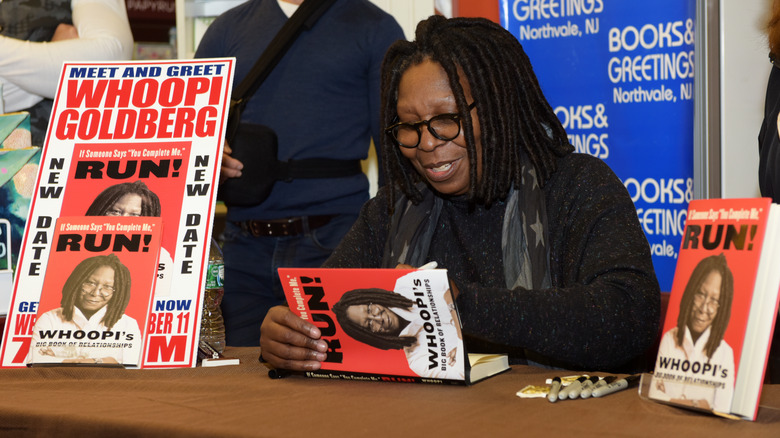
{"points": [[769, 142], [603, 309]]}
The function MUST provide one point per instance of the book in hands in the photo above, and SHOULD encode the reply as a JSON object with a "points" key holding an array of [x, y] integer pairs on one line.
{"points": [[392, 325], [722, 308]]}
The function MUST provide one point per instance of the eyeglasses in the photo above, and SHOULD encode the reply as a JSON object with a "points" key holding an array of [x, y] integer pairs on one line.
{"points": [[702, 300], [103, 290], [371, 324], [445, 127]]}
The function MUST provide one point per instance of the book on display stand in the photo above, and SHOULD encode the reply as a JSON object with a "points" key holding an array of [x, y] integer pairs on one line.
{"points": [[152, 130], [97, 292], [722, 310]]}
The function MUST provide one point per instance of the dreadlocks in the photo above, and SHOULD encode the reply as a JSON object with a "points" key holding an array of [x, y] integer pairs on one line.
{"points": [[707, 265], [363, 297], [150, 203], [517, 123], [120, 298]]}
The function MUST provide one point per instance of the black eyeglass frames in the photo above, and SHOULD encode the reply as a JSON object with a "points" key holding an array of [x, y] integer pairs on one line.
{"points": [[445, 127]]}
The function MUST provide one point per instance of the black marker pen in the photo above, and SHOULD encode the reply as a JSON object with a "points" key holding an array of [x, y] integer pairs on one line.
{"points": [[588, 384], [574, 388], [587, 392], [617, 385]]}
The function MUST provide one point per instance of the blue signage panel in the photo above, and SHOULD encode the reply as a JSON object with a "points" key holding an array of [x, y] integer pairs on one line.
{"points": [[619, 75]]}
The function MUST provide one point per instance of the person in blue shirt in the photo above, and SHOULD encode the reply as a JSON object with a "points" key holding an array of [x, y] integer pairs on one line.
{"points": [[322, 101]]}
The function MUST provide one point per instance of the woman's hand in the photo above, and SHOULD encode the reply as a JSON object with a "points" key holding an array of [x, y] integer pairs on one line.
{"points": [[231, 167], [288, 342]]}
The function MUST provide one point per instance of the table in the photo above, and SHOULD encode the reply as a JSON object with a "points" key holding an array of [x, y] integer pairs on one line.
{"points": [[238, 401]]}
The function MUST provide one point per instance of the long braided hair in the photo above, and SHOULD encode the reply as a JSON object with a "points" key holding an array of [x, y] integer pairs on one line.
{"points": [[516, 121], [715, 263], [150, 202], [119, 299]]}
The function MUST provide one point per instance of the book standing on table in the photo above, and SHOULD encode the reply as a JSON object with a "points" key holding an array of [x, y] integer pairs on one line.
{"points": [[97, 292], [722, 308]]}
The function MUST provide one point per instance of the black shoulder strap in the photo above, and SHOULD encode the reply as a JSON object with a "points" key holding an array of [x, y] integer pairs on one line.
{"points": [[306, 16]]}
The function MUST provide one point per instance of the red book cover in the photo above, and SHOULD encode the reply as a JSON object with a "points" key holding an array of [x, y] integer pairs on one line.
{"points": [[381, 324], [413, 305], [717, 284], [97, 292]]}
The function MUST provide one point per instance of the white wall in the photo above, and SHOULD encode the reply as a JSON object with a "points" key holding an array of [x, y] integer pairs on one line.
{"points": [[744, 72]]}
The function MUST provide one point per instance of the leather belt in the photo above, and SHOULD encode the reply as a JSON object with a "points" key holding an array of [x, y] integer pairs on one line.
{"points": [[291, 226]]}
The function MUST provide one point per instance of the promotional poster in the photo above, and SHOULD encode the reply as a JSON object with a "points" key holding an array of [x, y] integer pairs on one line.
{"points": [[134, 130]]}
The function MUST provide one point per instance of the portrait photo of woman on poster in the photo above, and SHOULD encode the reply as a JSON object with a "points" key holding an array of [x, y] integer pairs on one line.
{"points": [[94, 299]]}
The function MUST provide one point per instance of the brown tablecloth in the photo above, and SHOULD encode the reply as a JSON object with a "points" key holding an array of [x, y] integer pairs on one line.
{"points": [[242, 401]]}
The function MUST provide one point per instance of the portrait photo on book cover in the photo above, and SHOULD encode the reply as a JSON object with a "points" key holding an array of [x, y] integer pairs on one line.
{"points": [[695, 365], [393, 320], [90, 323]]}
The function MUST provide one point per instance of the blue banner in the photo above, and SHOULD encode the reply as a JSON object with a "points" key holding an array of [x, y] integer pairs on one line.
{"points": [[619, 75]]}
